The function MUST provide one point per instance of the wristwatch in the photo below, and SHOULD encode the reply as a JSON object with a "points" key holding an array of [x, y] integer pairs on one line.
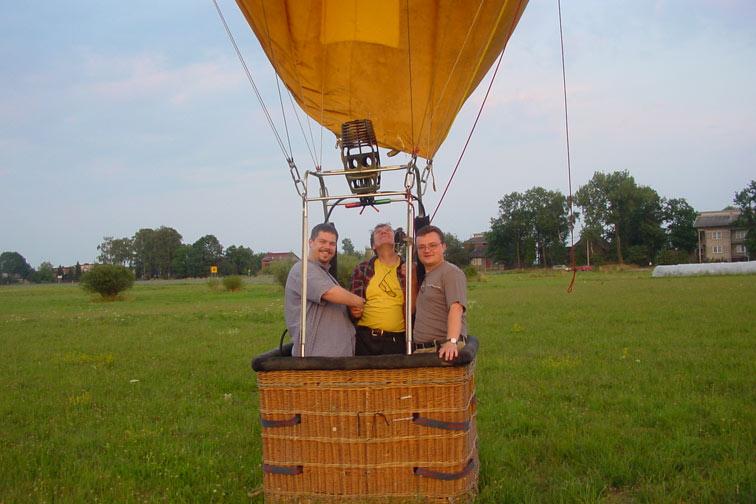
{"points": [[453, 341]]}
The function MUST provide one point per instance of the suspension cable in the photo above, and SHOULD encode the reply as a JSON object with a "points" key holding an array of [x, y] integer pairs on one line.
{"points": [[433, 106], [283, 113], [301, 128], [477, 117], [469, 136], [571, 218], [409, 65], [272, 125]]}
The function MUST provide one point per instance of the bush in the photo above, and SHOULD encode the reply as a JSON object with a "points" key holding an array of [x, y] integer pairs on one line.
{"points": [[232, 283], [213, 283], [471, 273], [108, 280], [637, 254], [280, 270], [345, 267], [668, 256]]}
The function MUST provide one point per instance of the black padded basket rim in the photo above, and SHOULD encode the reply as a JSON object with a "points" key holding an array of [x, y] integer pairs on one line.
{"points": [[274, 360]]}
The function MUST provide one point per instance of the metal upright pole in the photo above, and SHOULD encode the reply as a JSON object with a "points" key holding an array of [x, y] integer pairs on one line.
{"points": [[409, 251], [305, 260]]}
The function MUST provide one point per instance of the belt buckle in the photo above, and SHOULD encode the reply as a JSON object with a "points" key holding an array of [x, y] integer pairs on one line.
{"points": [[376, 332]]}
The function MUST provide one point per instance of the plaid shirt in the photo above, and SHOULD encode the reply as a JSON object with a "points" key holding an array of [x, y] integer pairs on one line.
{"points": [[366, 270]]}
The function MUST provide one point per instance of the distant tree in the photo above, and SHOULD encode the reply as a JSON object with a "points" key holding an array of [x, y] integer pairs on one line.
{"points": [[549, 211], [455, 252], [45, 273], [347, 247], [628, 215], [531, 228], [143, 245], [166, 242], [77, 271], [205, 252], [108, 280], [180, 264], [116, 251], [644, 227], [13, 267], [344, 268], [746, 202], [154, 251], [510, 240], [240, 261], [679, 217]]}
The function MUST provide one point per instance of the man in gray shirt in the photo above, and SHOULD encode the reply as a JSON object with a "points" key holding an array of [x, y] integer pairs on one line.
{"points": [[440, 323], [330, 332]]}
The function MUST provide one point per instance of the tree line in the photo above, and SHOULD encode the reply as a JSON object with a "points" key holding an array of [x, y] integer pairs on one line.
{"points": [[622, 222], [161, 253]]}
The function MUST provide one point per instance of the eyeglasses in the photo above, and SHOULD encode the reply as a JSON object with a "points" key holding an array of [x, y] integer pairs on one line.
{"points": [[430, 246], [385, 287]]}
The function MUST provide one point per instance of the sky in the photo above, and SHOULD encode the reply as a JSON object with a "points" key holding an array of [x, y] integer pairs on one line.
{"points": [[116, 116]]}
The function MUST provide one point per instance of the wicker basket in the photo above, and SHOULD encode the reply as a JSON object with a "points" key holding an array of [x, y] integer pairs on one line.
{"points": [[405, 434]]}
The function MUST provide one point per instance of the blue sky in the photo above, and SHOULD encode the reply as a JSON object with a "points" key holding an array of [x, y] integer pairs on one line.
{"points": [[120, 115]]}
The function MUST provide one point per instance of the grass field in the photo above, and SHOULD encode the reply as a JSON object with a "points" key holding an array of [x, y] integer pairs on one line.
{"points": [[629, 389]]}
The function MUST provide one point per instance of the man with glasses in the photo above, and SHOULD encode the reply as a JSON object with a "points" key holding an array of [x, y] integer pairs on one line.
{"points": [[330, 332], [381, 282], [440, 322]]}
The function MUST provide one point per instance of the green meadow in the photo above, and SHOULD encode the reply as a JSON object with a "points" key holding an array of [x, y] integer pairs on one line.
{"points": [[630, 389]]}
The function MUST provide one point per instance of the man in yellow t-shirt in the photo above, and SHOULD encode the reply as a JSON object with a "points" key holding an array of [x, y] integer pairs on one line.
{"points": [[381, 282]]}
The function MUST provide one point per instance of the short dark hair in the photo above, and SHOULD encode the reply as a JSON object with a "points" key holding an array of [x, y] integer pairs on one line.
{"points": [[376, 228], [430, 229], [325, 227]]}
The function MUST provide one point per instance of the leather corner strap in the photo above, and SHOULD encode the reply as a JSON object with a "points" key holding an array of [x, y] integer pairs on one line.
{"points": [[440, 424], [285, 470], [427, 473], [294, 420]]}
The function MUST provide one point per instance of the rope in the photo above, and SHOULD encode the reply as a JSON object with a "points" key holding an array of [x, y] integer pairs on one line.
{"points": [[434, 106], [467, 142], [283, 112], [304, 135], [571, 218], [477, 117], [252, 82], [409, 64]]}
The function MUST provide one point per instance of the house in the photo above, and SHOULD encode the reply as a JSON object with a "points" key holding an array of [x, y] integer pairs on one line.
{"points": [[719, 237], [477, 247], [594, 249], [272, 257]]}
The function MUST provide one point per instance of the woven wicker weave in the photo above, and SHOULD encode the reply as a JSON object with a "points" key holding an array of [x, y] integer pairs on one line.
{"points": [[369, 435]]}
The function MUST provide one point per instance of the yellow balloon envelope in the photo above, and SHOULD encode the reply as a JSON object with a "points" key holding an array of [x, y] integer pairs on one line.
{"points": [[407, 65]]}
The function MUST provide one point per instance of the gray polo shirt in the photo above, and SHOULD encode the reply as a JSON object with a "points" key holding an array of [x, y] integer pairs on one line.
{"points": [[330, 332], [442, 287]]}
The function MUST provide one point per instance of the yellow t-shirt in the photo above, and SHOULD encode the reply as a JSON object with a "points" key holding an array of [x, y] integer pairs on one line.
{"points": [[384, 307]]}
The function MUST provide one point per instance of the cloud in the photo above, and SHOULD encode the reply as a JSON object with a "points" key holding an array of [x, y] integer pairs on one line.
{"points": [[148, 76]]}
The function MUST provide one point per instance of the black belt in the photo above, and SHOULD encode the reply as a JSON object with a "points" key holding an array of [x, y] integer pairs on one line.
{"points": [[435, 343], [379, 333]]}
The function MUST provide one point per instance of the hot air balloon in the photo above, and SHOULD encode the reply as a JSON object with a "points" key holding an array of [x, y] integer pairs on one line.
{"points": [[407, 65], [392, 75]]}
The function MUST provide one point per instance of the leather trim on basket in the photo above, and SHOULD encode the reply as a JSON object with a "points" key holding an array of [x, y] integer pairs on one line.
{"points": [[281, 360], [421, 471], [296, 419], [440, 424], [288, 471]]}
